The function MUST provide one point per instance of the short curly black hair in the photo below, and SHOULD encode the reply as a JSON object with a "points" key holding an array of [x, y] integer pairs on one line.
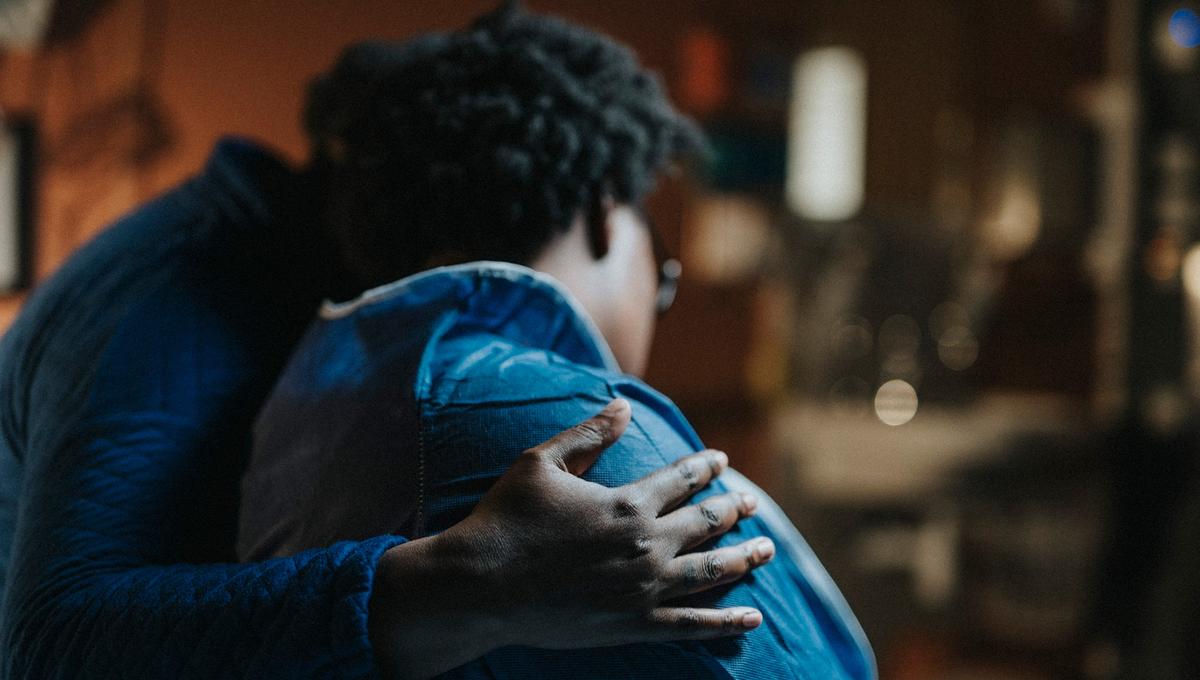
{"points": [[484, 142]]}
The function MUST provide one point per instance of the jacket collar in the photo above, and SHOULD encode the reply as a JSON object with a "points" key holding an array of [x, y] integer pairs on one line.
{"points": [[254, 185], [513, 301]]}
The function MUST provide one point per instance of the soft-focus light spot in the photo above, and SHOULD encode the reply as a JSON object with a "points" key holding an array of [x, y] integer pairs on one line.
{"points": [[852, 338], [827, 130], [946, 316], [1175, 39], [935, 559], [1012, 218], [899, 335], [10, 210], [1177, 154], [704, 59], [896, 402], [1164, 409], [902, 366], [1175, 208], [1102, 660], [23, 23], [1191, 271], [729, 240], [1184, 27], [1162, 259], [1013, 227], [958, 348]]}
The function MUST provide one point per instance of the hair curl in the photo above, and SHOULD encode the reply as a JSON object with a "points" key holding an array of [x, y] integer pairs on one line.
{"points": [[484, 142]]}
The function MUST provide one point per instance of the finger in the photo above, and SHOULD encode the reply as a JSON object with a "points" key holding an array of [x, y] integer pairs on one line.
{"points": [[667, 487], [686, 623], [577, 448], [697, 572], [692, 525]]}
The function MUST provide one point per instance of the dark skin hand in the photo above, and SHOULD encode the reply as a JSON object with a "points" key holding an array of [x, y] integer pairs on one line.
{"points": [[550, 560]]}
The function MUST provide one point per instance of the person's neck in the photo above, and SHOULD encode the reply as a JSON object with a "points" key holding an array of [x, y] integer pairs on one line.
{"points": [[568, 260]]}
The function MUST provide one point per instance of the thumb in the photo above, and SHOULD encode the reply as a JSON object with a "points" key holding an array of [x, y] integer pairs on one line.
{"points": [[576, 449]]}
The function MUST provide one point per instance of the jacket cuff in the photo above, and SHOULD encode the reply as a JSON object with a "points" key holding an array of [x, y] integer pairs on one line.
{"points": [[355, 575]]}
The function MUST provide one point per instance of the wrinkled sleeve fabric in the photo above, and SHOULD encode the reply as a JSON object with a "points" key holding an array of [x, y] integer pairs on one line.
{"points": [[491, 401], [129, 433]]}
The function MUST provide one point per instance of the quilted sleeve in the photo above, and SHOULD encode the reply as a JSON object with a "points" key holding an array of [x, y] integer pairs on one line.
{"points": [[113, 500], [88, 600]]}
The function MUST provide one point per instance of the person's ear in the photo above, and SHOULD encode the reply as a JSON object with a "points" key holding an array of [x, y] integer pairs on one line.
{"points": [[599, 228]]}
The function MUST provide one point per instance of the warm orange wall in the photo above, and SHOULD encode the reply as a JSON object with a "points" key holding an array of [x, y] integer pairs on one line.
{"points": [[242, 66]]}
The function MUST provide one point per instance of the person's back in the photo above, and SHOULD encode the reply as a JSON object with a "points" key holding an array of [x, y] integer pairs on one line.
{"points": [[127, 387], [472, 354], [177, 260]]}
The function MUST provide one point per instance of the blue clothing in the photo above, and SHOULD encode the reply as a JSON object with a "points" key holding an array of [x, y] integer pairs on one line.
{"points": [[400, 409], [127, 388]]}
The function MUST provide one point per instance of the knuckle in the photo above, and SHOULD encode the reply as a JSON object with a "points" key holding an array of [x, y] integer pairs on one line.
{"points": [[714, 465], [537, 454], [625, 506], [711, 516], [748, 556], [713, 568], [688, 471], [643, 546], [645, 593], [728, 621], [589, 432], [690, 574], [637, 596], [689, 620]]}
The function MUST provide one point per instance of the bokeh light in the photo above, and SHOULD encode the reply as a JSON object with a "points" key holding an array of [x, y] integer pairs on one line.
{"points": [[947, 316], [899, 335], [1184, 27], [896, 402], [1162, 259], [1165, 408], [958, 348], [852, 338], [1191, 271], [827, 138], [1013, 226]]}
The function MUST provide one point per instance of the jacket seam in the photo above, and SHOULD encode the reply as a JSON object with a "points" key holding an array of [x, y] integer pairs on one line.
{"points": [[419, 522]]}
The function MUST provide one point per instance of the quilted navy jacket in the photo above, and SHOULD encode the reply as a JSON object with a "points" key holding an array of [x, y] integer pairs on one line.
{"points": [[127, 388]]}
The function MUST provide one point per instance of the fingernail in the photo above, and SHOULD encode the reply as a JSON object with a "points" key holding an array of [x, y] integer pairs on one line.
{"points": [[722, 459], [750, 503], [752, 620], [614, 407], [764, 550]]}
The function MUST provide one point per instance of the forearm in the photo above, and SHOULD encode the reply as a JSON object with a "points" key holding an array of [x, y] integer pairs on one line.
{"points": [[97, 588], [296, 617]]}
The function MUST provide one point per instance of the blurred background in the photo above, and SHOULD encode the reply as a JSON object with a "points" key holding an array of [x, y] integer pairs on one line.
{"points": [[941, 291]]}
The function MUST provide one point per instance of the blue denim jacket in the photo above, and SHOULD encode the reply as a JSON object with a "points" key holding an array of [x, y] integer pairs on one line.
{"points": [[401, 408]]}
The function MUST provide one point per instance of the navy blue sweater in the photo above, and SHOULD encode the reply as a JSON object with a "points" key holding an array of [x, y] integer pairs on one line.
{"points": [[127, 388]]}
